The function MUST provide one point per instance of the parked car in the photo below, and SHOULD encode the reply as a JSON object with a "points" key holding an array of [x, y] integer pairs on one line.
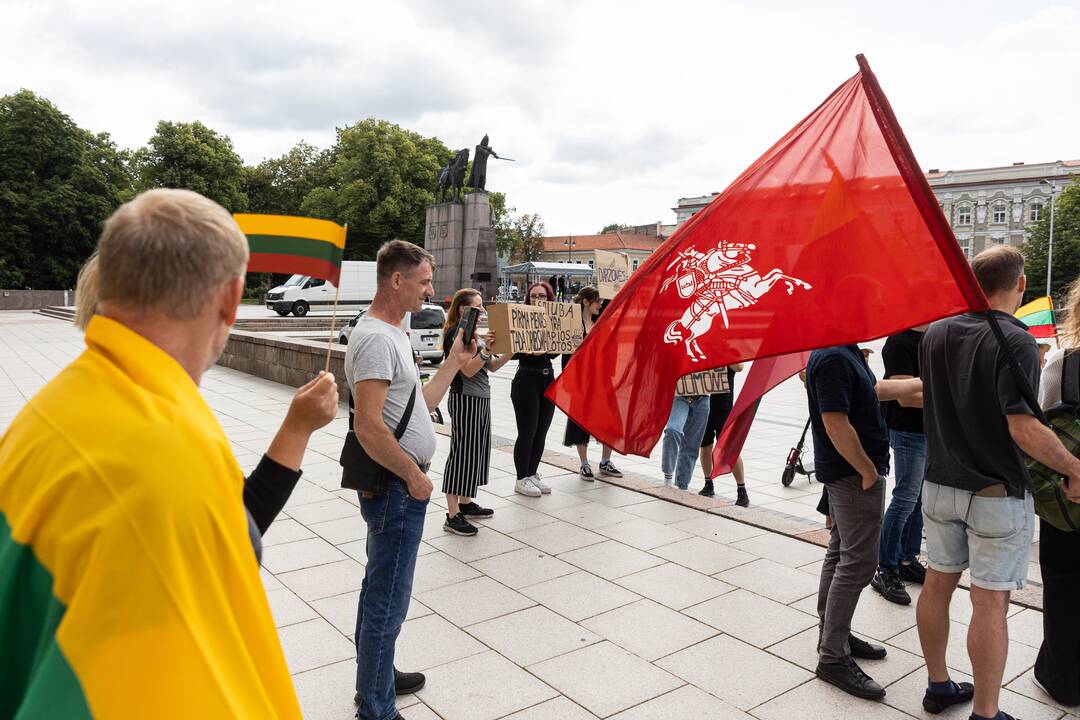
{"points": [[424, 329]]}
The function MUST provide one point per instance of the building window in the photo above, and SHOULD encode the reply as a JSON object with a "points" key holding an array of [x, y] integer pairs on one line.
{"points": [[1035, 213], [999, 214], [634, 266], [591, 263], [963, 215]]}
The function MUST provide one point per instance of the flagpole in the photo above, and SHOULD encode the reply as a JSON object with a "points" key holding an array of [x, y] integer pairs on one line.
{"points": [[333, 314]]}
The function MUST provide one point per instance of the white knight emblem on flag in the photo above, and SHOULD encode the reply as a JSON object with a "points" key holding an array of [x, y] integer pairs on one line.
{"points": [[718, 280]]}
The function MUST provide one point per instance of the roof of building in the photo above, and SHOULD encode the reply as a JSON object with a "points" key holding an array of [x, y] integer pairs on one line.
{"points": [[1004, 173], [607, 241]]}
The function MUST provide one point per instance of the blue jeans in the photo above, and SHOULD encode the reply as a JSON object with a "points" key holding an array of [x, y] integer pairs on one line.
{"points": [[901, 530], [682, 437], [395, 523]]}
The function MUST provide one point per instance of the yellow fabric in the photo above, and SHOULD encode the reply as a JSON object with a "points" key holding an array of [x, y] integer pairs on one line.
{"points": [[1037, 305], [120, 478], [289, 226]]}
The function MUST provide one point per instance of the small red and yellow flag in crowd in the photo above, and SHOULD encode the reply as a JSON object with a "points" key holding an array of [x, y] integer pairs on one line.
{"points": [[294, 245]]}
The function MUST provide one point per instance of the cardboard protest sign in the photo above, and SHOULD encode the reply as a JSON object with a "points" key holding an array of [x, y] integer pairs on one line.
{"points": [[612, 272], [547, 328], [708, 382]]}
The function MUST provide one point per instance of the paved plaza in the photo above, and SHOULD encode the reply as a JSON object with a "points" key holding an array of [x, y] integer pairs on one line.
{"points": [[594, 602]]}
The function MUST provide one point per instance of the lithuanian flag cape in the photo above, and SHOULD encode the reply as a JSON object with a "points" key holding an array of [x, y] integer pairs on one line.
{"points": [[128, 584]]}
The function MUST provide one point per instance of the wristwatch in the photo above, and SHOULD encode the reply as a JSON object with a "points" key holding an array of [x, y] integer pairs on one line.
{"points": [[485, 358]]}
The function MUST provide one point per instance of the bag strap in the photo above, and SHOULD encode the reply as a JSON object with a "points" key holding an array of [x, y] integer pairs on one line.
{"points": [[402, 423], [1026, 391], [1070, 378]]}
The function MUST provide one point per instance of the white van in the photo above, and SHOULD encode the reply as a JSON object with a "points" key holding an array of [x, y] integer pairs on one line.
{"points": [[301, 293], [424, 329]]}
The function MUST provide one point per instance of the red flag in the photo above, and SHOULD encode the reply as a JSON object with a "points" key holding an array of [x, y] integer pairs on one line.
{"points": [[764, 375], [832, 237]]}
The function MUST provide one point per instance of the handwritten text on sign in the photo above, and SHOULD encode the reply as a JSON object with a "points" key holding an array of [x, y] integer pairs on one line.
{"points": [[612, 272], [547, 328], [709, 382]]}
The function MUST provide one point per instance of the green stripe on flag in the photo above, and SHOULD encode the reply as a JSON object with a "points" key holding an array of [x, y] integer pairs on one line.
{"points": [[304, 247], [37, 680], [1043, 317]]}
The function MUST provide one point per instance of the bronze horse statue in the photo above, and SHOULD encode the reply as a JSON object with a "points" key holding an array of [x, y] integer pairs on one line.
{"points": [[452, 177]]}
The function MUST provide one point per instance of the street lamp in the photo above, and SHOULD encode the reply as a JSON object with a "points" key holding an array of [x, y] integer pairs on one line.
{"points": [[1050, 245], [569, 243]]}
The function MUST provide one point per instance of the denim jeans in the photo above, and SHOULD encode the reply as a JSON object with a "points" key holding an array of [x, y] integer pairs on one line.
{"points": [[682, 437], [901, 530], [395, 523]]}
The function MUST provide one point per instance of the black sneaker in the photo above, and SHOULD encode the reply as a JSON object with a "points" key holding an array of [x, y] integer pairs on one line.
{"points": [[586, 473], [850, 678], [934, 703], [459, 525], [865, 651], [708, 490], [608, 469], [889, 585], [407, 682], [742, 499], [914, 572], [473, 510]]}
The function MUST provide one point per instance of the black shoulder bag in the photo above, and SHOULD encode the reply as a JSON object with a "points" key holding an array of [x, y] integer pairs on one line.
{"points": [[359, 471]]}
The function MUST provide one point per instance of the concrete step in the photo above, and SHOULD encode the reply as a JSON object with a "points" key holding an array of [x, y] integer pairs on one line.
{"points": [[58, 312]]}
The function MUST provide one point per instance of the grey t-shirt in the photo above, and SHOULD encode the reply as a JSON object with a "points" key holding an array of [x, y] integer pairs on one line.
{"points": [[381, 351], [475, 386]]}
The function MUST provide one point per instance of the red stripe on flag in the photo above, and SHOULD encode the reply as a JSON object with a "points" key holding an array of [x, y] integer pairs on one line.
{"points": [[294, 265], [764, 375], [1043, 331]]}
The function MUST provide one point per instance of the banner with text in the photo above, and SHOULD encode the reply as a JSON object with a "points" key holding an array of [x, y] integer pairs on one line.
{"points": [[709, 382], [546, 328], [612, 272]]}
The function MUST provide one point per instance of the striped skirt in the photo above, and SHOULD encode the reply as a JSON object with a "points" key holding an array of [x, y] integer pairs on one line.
{"points": [[470, 445]]}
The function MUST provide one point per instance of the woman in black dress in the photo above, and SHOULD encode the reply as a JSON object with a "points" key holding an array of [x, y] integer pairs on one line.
{"points": [[589, 300]]}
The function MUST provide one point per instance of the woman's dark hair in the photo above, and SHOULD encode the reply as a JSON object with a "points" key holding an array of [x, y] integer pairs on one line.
{"points": [[543, 286], [587, 294]]}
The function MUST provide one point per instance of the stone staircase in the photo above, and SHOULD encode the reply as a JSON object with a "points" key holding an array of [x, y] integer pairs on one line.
{"points": [[58, 312]]}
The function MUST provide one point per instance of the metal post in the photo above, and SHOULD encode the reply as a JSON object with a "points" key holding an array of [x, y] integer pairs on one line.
{"points": [[1050, 245]]}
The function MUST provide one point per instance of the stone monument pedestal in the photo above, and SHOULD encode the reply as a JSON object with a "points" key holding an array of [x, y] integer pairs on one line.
{"points": [[460, 237]]}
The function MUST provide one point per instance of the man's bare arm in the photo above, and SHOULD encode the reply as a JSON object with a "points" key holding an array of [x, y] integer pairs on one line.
{"points": [[896, 388], [1040, 443], [379, 442], [846, 441]]}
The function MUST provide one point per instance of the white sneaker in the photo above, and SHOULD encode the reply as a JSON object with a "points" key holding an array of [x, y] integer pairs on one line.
{"points": [[668, 481], [540, 484], [525, 486]]}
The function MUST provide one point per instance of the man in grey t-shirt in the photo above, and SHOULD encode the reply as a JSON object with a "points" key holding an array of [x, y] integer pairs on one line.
{"points": [[382, 375]]}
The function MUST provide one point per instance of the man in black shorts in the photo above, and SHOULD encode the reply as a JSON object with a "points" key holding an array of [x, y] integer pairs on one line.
{"points": [[720, 406]]}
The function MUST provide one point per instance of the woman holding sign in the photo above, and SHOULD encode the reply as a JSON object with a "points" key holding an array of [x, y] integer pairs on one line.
{"points": [[589, 300], [532, 410], [470, 422]]}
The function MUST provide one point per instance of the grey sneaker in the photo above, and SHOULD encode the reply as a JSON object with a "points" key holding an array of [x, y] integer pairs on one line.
{"points": [[540, 484]]}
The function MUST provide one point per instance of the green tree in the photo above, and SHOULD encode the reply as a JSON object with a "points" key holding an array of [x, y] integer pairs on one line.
{"points": [[613, 227], [58, 183], [527, 231], [1066, 247], [194, 157], [381, 180], [278, 186]]}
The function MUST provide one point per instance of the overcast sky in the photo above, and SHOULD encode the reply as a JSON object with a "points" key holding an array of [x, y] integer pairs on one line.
{"points": [[612, 110]]}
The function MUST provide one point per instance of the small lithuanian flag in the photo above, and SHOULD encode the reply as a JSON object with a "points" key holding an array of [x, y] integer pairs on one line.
{"points": [[1038, 315], [294, 245]]}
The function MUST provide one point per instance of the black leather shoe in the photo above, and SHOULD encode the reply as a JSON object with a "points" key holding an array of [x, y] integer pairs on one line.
{"points": [[914, 572], [866, 651], [889, 585], [934, 703], [850, 678], [407, 682]]}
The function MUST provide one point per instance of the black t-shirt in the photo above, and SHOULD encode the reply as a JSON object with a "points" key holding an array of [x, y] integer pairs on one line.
{"points": [[968, 390], [901, 356], [839, 380]]}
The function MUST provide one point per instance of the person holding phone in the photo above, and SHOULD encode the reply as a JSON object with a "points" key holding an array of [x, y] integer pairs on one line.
{"points": [[470, 417]]}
